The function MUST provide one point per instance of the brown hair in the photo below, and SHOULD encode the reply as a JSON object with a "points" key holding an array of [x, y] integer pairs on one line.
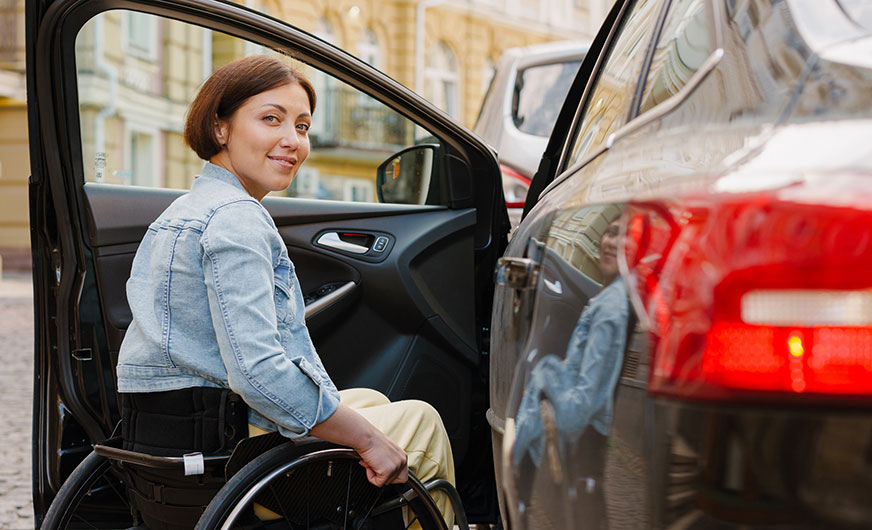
{"points": [[228, 88]]}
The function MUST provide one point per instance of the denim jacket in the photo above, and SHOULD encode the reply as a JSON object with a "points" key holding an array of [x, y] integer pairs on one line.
{"points": [[216, 303]]}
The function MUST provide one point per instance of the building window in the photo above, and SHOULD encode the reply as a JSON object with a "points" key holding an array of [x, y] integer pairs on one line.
{"points": [[322, 130], [307, 185], [324, 30], [253, 48], [488, 69], [141, 34], [441, 78], [356, 190], [142, 159], [368, 49]]}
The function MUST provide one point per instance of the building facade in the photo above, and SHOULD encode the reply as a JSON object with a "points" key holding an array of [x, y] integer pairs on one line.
{"points": [[137, 74], [14, 153]]}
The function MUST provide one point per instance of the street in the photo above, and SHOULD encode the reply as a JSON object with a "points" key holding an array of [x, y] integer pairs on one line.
{"points": [[16, 357]]}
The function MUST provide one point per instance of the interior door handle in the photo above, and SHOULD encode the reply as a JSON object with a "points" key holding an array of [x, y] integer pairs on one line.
{"points": [[331, 239]]}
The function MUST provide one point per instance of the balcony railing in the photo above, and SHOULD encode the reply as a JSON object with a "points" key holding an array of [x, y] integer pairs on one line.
{"points": [[345, 117], [9, 43]]}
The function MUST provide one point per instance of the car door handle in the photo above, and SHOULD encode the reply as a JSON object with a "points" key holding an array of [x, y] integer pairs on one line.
{"points": [[326, 301], [517, 273], [331, 239]]}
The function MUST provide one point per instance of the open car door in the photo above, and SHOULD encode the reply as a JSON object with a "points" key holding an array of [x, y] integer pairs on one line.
{"points": [[398, 292]]}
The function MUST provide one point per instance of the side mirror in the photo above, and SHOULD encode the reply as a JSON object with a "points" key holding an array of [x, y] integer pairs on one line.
{"points": [[405, 177]]}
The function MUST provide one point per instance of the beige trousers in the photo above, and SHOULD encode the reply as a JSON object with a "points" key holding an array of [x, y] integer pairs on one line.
{"points": [[413, 425]]}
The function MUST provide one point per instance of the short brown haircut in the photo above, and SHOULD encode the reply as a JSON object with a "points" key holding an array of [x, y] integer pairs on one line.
{"points": [[228, 88]]}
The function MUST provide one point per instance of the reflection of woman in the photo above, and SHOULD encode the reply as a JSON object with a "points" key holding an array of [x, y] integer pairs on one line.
{"points": [[580, 386], [216, 303], [577, 391]]}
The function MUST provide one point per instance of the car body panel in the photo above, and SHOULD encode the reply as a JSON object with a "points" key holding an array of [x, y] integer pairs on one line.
{"points": [[783, 111]]}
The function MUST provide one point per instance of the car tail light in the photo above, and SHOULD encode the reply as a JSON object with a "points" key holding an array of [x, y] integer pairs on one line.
{"points": [[753, 295], [515, 187]]}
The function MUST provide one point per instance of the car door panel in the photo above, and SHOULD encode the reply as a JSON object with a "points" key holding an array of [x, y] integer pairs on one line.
{"points": [[399, 325], [407, 322]]}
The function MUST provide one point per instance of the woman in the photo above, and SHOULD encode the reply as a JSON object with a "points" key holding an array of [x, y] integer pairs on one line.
{"points": [[216, 303]]}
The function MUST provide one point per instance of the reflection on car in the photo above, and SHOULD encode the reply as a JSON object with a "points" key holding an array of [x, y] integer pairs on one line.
{"points": [[565, 413], [724, 379]]}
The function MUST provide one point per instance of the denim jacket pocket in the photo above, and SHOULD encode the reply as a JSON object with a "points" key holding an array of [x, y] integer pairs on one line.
{"points": [[283, 293]]}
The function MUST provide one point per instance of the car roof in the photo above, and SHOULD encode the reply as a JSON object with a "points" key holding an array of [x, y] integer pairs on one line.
{"points": [[824, 24], [545, 52]]}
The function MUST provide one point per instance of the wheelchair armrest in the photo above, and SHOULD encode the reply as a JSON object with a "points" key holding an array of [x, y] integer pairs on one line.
{"points": [[154, 462]]}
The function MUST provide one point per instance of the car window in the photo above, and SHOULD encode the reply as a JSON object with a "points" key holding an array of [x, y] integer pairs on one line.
{"points": [[538, 94], [683, 46], [137, 73], [608, 106]]}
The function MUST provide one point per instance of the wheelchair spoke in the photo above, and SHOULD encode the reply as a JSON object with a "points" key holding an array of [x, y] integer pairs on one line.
{"points": [[308, 496], [114, 486], [369, 511], [347, 497], [281, 506], [412, 522], [81, 519]]}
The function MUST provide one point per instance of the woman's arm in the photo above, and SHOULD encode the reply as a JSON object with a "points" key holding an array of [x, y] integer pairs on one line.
{"points": [[385, 461], [239, 245], [237, 265]]}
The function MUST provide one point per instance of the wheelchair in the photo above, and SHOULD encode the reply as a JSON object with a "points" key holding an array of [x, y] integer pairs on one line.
{"points": [[298, 484]]}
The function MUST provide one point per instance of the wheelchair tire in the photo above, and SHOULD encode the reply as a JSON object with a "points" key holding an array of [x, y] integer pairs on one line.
{"points": [[92, 480], [314, 490]]}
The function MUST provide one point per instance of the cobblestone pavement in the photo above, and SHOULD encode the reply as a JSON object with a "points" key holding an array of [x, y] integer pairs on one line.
{"points": [[16, 376]]}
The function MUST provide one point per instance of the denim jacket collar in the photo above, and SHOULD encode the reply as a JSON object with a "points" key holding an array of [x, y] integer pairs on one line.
{"points": [[217, 172]]}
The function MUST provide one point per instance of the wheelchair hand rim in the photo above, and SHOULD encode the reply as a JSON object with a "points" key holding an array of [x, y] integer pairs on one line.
{"points": [[415, 485]]}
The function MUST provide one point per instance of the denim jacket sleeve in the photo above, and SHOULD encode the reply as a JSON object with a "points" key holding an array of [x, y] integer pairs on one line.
{"points": [[239, 257], [593, 362]]}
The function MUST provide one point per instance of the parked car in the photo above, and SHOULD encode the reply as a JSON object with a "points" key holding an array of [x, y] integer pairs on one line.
{"points": [[520, 107], [711, 165], [398, 294], [679, 336]]}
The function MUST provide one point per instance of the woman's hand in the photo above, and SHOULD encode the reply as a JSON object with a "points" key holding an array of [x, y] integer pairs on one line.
{"points": [[385, 461]]}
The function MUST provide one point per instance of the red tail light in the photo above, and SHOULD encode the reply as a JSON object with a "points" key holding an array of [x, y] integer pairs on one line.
{"points": [[515, 187], [753, 295]]}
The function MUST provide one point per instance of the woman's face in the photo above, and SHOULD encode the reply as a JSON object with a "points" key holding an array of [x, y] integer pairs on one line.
{"points": [[608, 262], [266, 140]]}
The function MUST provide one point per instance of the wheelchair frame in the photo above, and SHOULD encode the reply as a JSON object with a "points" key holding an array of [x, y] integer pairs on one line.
{"points": [[246, 479]]}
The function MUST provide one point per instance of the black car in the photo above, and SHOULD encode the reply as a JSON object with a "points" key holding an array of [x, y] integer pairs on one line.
{"points": [[398, 294], [716, 153], [679, 332]]}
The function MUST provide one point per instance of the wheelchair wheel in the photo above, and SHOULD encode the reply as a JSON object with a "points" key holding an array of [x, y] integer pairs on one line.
{"points": [[91, 497], [325, 489]]}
